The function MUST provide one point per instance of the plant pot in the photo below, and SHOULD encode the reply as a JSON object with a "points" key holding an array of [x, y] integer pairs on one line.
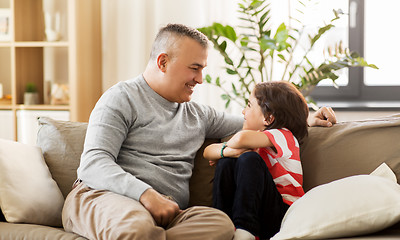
{"points": [[31, 98]]}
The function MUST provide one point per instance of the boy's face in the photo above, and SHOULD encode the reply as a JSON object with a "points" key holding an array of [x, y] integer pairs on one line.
{"points": [[253, 117], [184, 70]]}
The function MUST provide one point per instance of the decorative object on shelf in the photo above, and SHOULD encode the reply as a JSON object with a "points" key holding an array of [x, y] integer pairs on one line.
{"points": [[52, 28], [59, 94], [5, 27], [31, 96], [251, 54], [4, 99]]}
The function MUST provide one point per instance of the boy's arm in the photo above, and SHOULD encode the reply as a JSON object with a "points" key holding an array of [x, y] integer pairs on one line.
{"points": [[213, 152], [243, 141], [249, 139]]}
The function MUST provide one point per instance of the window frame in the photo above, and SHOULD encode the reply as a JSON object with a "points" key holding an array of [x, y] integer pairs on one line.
{"points": [[356, 90]]}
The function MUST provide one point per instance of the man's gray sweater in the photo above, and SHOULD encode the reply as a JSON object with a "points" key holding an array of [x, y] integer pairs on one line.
{"points": [[137, 140]]}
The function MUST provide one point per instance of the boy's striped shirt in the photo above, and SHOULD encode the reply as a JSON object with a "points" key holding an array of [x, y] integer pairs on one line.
{"points": [[284, 163]]}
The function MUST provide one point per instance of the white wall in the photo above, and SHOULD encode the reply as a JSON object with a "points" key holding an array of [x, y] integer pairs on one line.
{"points": [[28, 125], [129, 28]]}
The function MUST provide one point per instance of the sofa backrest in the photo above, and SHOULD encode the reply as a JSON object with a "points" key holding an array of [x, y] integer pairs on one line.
{"points": [[350, 148], [327, 154], [62, 145]]}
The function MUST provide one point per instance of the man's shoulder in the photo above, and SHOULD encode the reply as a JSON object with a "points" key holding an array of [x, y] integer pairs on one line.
{"points": [[199, 108], [136, 82], [126, 88]]}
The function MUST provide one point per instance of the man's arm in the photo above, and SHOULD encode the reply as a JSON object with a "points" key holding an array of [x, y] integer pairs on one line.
{"points": [[107, 130], [325, 117]]}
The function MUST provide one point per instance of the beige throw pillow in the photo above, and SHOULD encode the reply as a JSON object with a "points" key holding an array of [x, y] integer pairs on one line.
{"points": [[351, 206], [62, 145], [28, 194]]}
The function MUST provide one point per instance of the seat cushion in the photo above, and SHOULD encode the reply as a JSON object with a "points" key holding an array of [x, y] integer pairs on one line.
{"points": [[34, 232]]}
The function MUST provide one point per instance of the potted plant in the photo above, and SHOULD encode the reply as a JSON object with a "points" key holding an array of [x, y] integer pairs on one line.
{"points": [[31, 96], [258, 48]]}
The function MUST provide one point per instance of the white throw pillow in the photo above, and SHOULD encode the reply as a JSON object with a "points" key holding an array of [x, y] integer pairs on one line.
{"points": [[350, 206], [28, 194]]}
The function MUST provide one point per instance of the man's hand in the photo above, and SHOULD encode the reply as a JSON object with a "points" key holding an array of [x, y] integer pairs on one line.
{"points": [[325, 117], [162, 209]]}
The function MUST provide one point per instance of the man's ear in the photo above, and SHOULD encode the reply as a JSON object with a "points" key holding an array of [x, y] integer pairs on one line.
{"points": [[162, 61], [269, 120]]}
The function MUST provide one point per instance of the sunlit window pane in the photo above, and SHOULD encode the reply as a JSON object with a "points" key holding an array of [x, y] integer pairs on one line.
{"points": [[315, 17], [381, 47]]}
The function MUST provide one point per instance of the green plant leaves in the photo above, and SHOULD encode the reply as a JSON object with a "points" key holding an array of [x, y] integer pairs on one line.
{"points": [[252, 49]]}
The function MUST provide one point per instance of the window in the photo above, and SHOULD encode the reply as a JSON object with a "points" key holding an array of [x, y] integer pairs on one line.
{"points": [[372, 32]]}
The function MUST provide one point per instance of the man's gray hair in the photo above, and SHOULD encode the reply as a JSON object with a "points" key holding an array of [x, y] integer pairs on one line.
{"points": [[165, 38]]}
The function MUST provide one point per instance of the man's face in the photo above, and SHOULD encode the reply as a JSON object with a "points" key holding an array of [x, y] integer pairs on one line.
{"points": [[184, 70]]}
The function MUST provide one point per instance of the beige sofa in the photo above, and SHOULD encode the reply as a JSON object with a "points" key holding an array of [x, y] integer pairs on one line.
{"points": [[328, 154]]}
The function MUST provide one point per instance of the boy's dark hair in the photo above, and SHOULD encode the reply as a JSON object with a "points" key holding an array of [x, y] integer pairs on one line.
{"points": [[164, 38], [283, 101]]}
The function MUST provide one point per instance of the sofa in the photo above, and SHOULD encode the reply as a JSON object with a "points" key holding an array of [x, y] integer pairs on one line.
{"points": [[351, 174]]}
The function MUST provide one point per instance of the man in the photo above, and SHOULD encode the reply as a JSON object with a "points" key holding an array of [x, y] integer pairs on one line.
{"points": [[141, 141]]}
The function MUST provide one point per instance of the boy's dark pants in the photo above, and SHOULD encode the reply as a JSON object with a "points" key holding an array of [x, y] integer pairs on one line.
{"points": [[244, 189]]}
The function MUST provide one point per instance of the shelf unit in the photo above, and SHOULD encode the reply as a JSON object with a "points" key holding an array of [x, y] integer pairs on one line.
{"points": [[74, 60]]}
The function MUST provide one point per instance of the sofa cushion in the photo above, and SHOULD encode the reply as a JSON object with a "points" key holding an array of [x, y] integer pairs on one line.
{"points": [[28, 194], [9, 231], [62, 145], [350, 148], [201, 182], [350, 206]]}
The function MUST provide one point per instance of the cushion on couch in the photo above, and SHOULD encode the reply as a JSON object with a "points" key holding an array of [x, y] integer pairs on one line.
{"points": [[16, 231], [62, 145], [350, 148], [28, 193], [351, 206]]}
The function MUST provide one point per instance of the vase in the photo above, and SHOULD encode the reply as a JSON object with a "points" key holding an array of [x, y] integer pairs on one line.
{"points": [[31, 98]]}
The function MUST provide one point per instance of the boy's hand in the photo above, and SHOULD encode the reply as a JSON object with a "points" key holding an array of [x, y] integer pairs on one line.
{"points": [[325, 117]]}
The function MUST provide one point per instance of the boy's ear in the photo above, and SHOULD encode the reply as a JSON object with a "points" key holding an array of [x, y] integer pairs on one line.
{"points": [[269, 120]]}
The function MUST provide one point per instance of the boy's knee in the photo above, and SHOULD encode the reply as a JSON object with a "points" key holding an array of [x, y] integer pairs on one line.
{"points": [[249, 158], [251, 161], [224, 164]]}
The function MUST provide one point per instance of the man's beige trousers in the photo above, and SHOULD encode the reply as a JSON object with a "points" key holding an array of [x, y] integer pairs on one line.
{"points": [[97, 215]]}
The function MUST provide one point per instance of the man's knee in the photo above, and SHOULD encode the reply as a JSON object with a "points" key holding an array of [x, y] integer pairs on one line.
{"points": [[211, 223], [138, 230]]}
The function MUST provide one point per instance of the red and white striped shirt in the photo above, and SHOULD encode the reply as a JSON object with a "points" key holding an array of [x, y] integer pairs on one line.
{"points": [[284, 164]]}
